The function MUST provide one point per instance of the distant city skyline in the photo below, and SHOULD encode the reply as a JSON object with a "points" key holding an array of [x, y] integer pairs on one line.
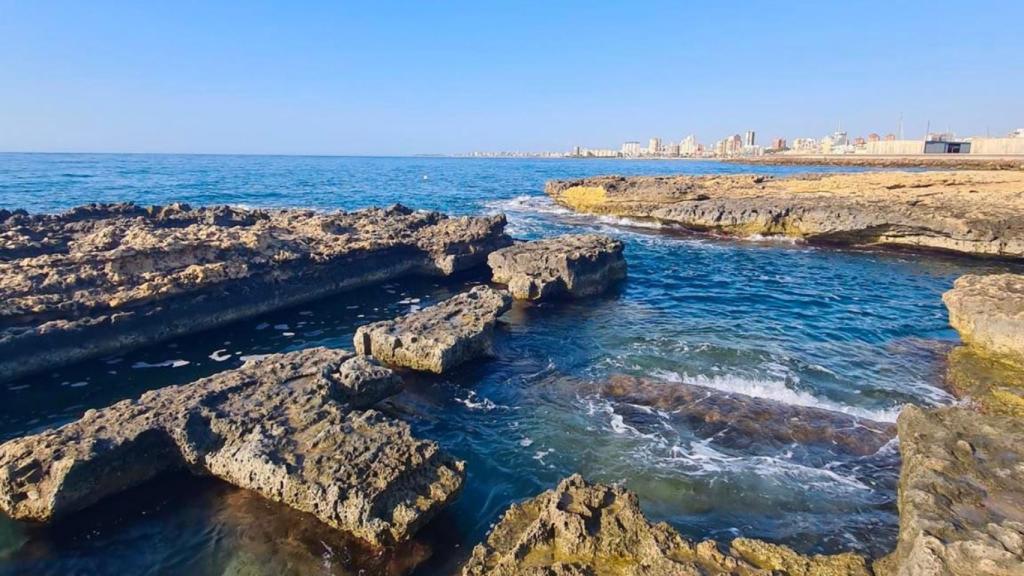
{"points": [[328, 78]]}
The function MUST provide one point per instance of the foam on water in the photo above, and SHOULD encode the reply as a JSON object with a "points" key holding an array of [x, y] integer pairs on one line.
{"points": [[776, 390]]}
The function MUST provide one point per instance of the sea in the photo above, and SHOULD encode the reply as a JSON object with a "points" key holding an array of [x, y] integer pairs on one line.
{"points": [[856, 331]]}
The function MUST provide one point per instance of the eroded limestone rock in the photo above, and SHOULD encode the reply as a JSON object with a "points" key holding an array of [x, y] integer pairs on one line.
{"points": [[991, 386], [438, 337], [988, 312], [961, 494], [582, 529], [571, 265], [740, 420], [972, 212], [285, 426], [101, 278]]}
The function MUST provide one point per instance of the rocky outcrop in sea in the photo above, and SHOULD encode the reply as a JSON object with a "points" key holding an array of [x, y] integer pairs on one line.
{"points": [[438, 337], [961, 495], [584, 529], [102, 278], [969, 212], [294, 427], [574, 265]]}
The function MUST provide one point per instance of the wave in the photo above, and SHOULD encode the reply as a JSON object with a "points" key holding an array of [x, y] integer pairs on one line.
{"points": [[527, 203], [776, 390], [700, 458]]}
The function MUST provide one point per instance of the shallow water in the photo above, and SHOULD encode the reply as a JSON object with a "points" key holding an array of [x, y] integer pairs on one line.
{"points": [[860, 332]]}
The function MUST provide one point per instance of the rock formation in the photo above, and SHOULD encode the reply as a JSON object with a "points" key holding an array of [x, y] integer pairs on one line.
{"points": [[943, 161], [739, 420], [571, 265], [988, 312], [100, 278], [438, 337], [582, 529], [991, 386], [287, 426], [972, 212], [961, 495]]}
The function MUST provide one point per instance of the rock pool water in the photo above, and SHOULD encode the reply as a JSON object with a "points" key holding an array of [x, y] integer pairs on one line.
{"points": [[860, 332]]}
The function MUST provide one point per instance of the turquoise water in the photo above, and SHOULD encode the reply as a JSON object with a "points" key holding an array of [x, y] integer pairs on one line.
{"points": [[861, 332]]}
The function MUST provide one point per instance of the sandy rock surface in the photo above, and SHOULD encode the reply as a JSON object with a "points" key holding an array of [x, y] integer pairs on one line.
{"points": [[583, 529], [438, 337], [574, 265], [988, 312], [971, 212], [961, 494], [287, 426], [101, 278]]}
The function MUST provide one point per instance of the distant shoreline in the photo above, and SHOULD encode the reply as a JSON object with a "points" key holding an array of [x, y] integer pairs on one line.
{"points": [[951, 161]]}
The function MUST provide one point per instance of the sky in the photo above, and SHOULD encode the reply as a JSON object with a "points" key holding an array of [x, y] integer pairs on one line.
{"points": [[396, 78]]}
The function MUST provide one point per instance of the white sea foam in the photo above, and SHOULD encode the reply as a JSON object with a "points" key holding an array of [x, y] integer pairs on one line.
{"points": [[472, 402], [219, 355], [666, 451], [774, 239], [248, 357], [165, 364], [526, 203], [775, 390]]}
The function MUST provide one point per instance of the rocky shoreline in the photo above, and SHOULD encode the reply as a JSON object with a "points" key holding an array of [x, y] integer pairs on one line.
{"points": [[941, 161], [103, 278], [303, 428], [979, 213]]}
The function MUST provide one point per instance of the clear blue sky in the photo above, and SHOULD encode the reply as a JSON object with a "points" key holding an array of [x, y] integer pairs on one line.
{"points": [[381, 77]]}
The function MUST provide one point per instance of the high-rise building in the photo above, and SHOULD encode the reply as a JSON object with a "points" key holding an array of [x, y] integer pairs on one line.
{"points": [[654, 146], [689, 146], [749, 138], [672, 149], [890, 137], [631, 148], [779, 144], [873, 137]]}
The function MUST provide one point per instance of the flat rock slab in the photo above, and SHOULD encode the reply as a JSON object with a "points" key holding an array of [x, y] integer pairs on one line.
{"points": [[438, 337], [287, 426], [739, 420], [583, 529], [971, 212], [961, 494], [574, 265], [988, 312], [101, 278]]}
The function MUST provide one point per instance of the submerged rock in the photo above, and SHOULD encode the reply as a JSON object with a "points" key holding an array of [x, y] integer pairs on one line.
{"points": [[961, 494], [100, 278], [267, 539], [571, 265], [583, 529], [285, 426], [438, 337], [988, 312], [972, 212], [741, 420]]}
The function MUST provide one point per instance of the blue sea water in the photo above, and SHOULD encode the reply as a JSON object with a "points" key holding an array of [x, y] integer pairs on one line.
{"points": [[855, 331]]}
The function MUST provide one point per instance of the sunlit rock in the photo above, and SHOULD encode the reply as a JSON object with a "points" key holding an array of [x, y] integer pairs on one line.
{"points": [[438, 337], [583, 529], [988, 312], [972, 212], [573, 265], [101, 278], [961, 495], [285, 426]]}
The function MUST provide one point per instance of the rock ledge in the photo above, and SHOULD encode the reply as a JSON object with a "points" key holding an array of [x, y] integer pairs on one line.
{"points": [[287, 427], [574, 265]]}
